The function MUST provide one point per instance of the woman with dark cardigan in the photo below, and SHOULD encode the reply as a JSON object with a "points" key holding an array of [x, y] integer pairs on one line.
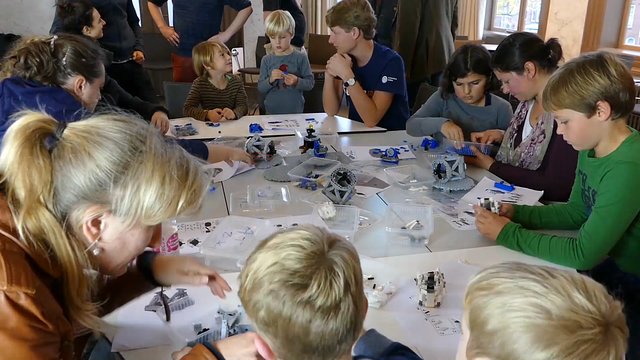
{"points": [[532, 154]]}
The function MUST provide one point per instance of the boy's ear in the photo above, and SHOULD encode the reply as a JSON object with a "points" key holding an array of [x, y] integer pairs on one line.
{"points": [[264, 349], [603, 111]]}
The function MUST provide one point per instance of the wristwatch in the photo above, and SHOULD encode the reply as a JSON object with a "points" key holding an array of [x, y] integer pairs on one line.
{"points": [[350, 82], [347, 84]]}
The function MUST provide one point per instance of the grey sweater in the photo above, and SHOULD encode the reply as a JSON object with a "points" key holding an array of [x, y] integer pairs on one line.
{"points": [[436, 111], [278, 97]]}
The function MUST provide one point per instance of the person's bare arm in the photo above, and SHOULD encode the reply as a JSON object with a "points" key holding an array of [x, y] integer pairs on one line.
{"points": [[168, 32], [370, 109], [331, 94], [235, 25]]}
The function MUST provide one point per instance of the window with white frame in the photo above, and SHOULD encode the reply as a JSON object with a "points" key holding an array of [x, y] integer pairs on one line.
{"points": [[516, 15], [630, 26]]}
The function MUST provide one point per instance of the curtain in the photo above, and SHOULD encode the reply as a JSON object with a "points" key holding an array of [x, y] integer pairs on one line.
{"points": [[314, 11], [471, 15]]}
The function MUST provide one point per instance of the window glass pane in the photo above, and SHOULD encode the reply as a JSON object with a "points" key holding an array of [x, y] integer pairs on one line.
{"points": [[506, 14], [632, 30], [532, 16]]}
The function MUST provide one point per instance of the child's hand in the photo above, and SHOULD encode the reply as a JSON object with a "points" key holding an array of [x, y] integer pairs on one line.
{"points": [[276, 74], [238, 155], [480, 159], [290, 80], [489, 224], [452, 131], [215, 115], [487, 136], [138, 56], [507, 210], [228, 114]]}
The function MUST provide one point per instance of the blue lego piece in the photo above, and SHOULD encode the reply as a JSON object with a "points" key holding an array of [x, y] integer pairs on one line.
{"points": [[308, 184], [184, 130], [213, 124], [429, 143], [466, 150], [319, 150], [504, 186], [255, 128]]}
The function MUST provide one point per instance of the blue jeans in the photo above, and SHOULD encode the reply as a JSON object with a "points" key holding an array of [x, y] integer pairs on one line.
{"points": [[626, 288]]}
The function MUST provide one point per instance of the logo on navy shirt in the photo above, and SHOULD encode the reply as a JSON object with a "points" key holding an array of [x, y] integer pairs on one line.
{"points": [[386, 79]]}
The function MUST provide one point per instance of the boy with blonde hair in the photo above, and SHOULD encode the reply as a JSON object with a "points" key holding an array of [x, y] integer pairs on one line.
{"points": [[286, 73], [303, 290], [517, 311], [591, 97], [371, 75], [216, 95]]}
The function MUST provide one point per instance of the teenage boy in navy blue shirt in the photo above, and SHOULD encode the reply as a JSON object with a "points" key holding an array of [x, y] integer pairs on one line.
{"points": [[195, 21], [371, 75]]}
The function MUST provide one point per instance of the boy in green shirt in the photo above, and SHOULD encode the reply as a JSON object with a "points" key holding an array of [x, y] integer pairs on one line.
{"points": [[591, 98]]}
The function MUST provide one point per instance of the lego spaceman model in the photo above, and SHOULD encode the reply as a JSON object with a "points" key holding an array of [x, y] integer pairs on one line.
{"points": [[431, 288]]}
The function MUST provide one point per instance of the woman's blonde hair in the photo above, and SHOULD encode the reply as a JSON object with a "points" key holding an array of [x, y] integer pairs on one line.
{"points": [[53, 60], [580, 83], [53, 177], [303, 290], [204, 53], [518, 311], [349, 14], [279, 22]]}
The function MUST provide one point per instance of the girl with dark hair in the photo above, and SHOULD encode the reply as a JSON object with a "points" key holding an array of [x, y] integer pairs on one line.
{"points": [[80, 17], [532, 154], [463, 105]]}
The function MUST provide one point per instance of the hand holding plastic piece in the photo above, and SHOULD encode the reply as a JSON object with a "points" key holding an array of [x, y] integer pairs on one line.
{"points": [[215, 115], [489, 224], [176, 269], [480, 159], [507, 210], [488, 136], [452, 132]]}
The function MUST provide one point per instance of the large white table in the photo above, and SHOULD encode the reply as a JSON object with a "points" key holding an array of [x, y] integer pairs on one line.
{"points": [[240, 127], [446, 243], [384, 320]]}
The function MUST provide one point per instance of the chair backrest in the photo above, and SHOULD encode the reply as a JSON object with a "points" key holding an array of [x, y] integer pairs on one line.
{"points": [[175, 94], [260, 50], [319, 50], [424, 93]]}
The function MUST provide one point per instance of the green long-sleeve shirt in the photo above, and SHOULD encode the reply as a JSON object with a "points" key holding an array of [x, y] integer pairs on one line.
{"points": [[604, 205]]}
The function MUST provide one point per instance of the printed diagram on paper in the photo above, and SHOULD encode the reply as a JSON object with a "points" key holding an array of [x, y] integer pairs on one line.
{"points": [[289, 124]]}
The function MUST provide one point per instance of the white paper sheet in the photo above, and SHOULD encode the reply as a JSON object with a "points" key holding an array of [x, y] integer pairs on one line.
{"points": [[437, 333], [138, 329], [222, 171], [361, 153], [486, 188]]}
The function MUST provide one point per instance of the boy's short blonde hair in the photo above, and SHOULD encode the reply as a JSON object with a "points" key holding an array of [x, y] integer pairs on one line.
{"points": [[203, 54], [580, 83], [349, 14], [279, 22], [303, 290], [517, 311]]}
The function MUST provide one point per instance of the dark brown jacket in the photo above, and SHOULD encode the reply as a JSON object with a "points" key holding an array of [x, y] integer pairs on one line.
{"points": [[33, 322], [425, 35]]}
